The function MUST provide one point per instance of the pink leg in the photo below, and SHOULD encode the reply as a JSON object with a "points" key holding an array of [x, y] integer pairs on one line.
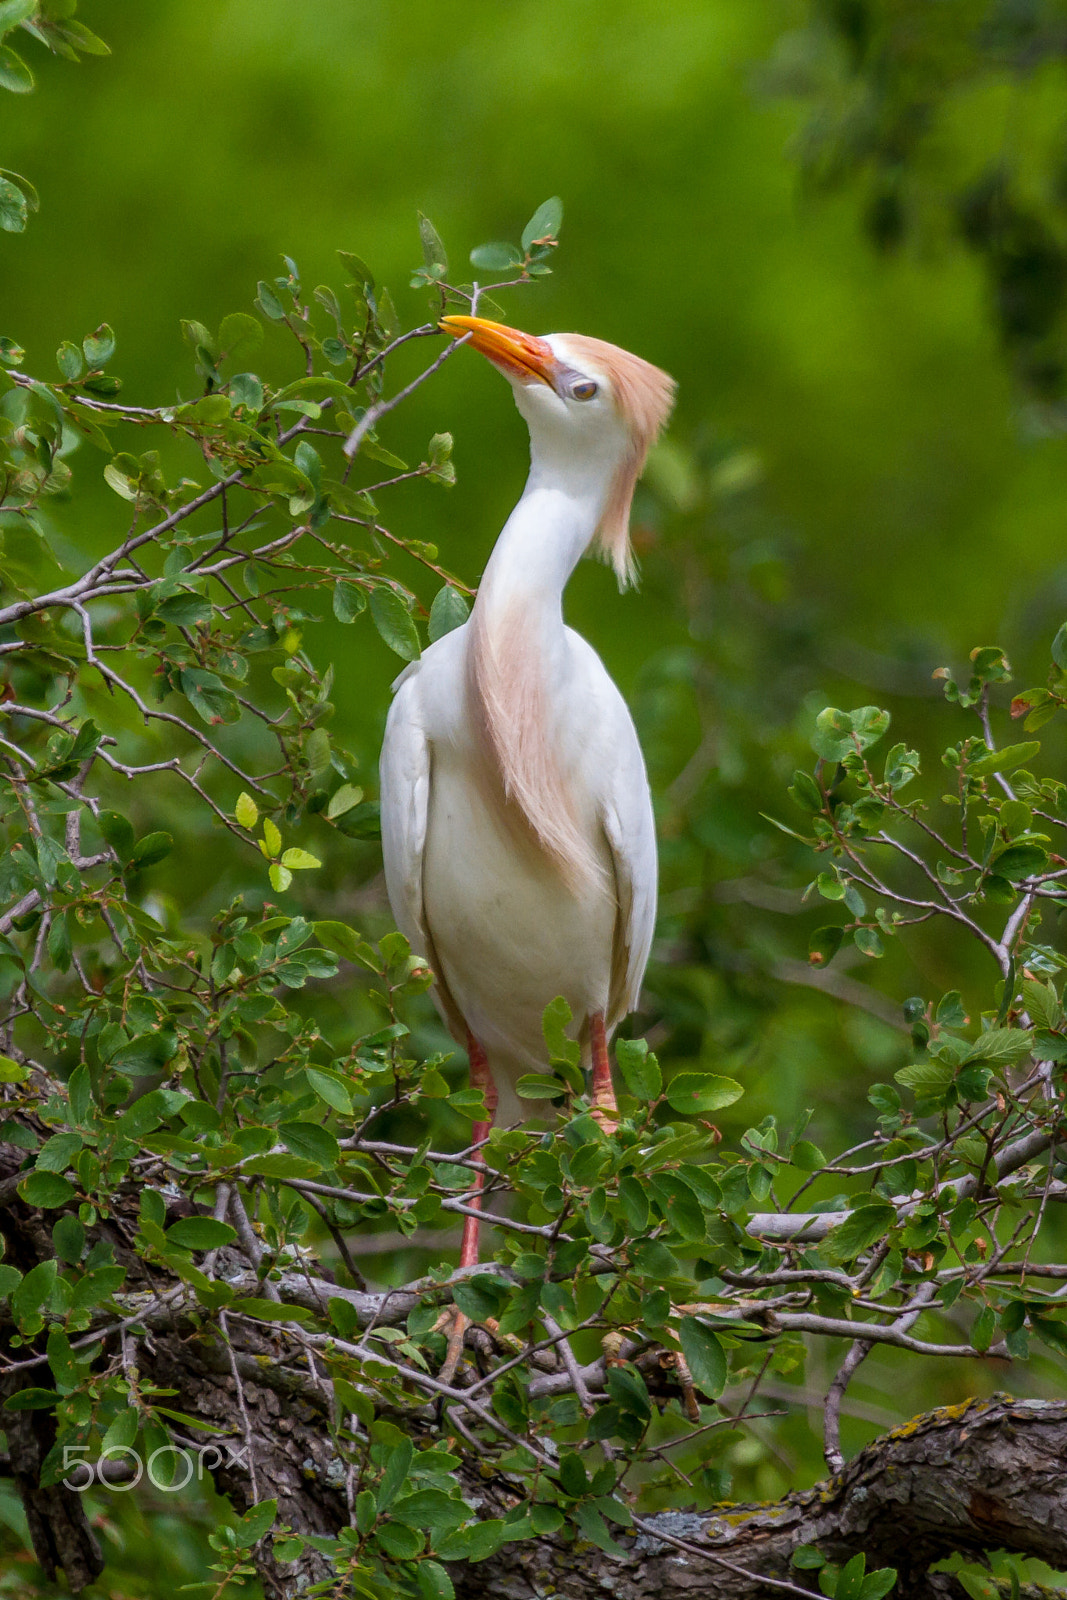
{"points": [[481, 1078], [605, 1107]]}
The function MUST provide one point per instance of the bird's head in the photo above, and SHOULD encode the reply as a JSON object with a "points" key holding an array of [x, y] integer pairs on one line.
{"points": [[590, 407]]}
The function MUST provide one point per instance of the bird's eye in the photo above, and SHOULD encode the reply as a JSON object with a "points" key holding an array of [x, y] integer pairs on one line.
{"points": [[584, 390]]}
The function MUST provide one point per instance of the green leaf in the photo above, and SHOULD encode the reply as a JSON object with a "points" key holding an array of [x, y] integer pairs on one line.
{"points": [[68, 1237], [119, 481], [257, 1521], [806, 794], [475, 1542], [496, 257], [331, 1088], [839, 733], [807, 1157], [878, 1583], [439, 458], [122, 1430], [704, 1356], [393, 621], [118, 832], [950, 1011], [14, 211], [99, 346], [679, 1204], [1042, 1002], [434, 253], [15, 75], [141, 1056], [310, 1140], [869, 941], [152, 848], [272, 1311], [1020, 861], [808, 1557], [35, 1287], [78, 1093], [695, 1092], [62, 1361], [246, 811], [200, 1233], [12, 1071], [245, 389], [634, 1201], [347, 796], [980, 1585], [395, 1473], [344, 941], [271, 836], [1000, 1046], [357, 267], [299, 860], [56, 1154], [268, 302], [544, 225], [596, 1529], [481, 1296], [209, 696], [434, 1582], [825, 942], [850, 1578], [1003, 760], [860, 1229], [69, 361], [539, 1086], [449, 610], [348, 602], [46, 1189], [185, 610], [83, 38], [239, 336], [639, 1068], [554, 1022], [926, 1077], [12, 12], [31, 1400]]}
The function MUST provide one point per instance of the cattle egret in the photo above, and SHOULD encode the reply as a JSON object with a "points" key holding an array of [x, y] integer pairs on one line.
{"points": [[517, 829]]}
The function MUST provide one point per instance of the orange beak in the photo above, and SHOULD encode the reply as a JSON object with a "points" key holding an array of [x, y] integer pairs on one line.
{"points": [[518, 355]]}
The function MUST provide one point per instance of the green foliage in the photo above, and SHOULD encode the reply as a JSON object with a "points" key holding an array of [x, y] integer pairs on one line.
{"points": [[180, 753], [890, 88]]}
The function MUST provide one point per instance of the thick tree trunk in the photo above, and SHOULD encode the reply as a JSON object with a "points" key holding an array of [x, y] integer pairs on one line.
{"points": [[986, 1475]]}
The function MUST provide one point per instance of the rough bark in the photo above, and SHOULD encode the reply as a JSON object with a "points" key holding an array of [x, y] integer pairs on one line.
{"points": [[986, 1475]]}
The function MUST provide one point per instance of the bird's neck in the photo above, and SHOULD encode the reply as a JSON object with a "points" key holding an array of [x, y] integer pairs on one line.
{"points": [[518, 661], [542, 542]]}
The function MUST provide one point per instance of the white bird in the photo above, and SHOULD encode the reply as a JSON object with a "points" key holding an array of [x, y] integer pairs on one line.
{"points": [[517, 828]]}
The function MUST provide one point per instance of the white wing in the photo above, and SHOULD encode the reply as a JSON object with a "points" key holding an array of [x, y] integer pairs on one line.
{"points": [[631, 833], [614, 769], [405, 793]]}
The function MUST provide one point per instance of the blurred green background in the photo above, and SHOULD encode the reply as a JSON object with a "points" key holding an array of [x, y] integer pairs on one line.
{"points": [[864, 478]]}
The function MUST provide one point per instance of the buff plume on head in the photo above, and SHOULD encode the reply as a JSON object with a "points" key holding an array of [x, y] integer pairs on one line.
{"points": [[644, 396], [578, 369]]}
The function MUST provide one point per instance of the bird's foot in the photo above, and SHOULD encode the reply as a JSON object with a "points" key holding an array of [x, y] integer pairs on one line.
{"points": [[604, 1111], [452, 1321], [690, 1403]]}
